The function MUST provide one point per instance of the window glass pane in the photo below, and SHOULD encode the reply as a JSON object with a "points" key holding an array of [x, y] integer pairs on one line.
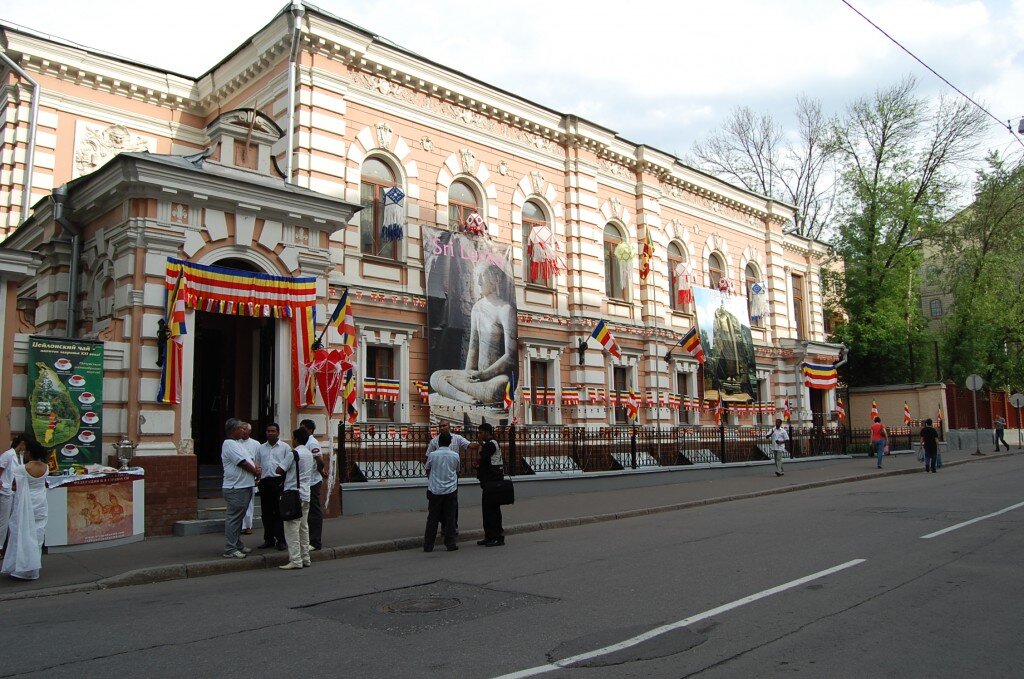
{"points": [[674, 250], [366, 218], [461, 193], [533, 212], [378, 170], [610, 232]]}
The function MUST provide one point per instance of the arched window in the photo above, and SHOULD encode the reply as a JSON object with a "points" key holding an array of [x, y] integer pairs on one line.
{"points": [[376, 178], [462, 202], [716, 270], [935, 306], [534, 218], [749, 278], [616, 284], [675, 258]]}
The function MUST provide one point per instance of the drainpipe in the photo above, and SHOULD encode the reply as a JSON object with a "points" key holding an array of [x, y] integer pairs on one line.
{"points": [[293, 57], [60, 198], [33, 117]]}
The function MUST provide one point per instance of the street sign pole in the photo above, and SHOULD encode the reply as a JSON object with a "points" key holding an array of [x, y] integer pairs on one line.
{"points": [[1017, 400], [974, 383]]}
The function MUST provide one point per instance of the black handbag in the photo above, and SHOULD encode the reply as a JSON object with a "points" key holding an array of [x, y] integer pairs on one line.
{"points": [[501, 491], [290, 504]]}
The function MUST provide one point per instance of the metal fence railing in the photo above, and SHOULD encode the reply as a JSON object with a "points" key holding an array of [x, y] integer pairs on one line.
{"points": [[398, 451]]}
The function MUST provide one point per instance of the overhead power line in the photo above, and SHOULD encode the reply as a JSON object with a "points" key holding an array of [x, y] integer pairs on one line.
{"points": [[938, 75]]}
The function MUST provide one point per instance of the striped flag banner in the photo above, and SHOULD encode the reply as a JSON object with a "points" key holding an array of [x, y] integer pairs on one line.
{"points": [[691, 344], [603, 335], [818, 376]]}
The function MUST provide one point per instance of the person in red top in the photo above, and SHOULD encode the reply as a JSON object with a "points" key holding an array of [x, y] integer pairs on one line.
{"points": [[879, 439]]}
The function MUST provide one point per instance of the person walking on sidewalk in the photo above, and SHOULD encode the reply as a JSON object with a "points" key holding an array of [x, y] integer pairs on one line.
{"points": [[240, 473], [268, 458], [251, 445], [879, 439], [779, 437], [490, 468], [316, 512], [1000, 432], [442, 493], [298, 468], [930, 443]]}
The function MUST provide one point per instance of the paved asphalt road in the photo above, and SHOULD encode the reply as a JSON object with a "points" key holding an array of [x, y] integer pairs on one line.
{"points": [[764, 587]]}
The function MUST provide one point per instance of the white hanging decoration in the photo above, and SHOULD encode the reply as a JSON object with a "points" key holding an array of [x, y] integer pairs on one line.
{"points": [[475, 224], [542, 250], [684, 283], [725, 285], [393, 226], [625, 252], [758, 301]]}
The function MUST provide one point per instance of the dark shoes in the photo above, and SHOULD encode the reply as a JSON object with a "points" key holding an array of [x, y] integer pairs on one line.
{"points": [[778, 473], [266, 545], [500, 542], [315, 548], [281, 546], [428, 549], [452, 548]]}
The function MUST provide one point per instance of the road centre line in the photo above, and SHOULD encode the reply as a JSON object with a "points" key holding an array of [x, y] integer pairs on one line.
{"points": [[640, 638], [968, 523]]}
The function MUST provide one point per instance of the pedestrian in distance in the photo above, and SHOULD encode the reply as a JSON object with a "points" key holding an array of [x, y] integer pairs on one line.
{"points": [[24, 556], [1000, 432], [879, 439], [10, 460], [490, 468], [779, 437], [930, 443], [268, 458], [316, 512], [442, 493], [240, 474], [251, 445], [297, 469]]}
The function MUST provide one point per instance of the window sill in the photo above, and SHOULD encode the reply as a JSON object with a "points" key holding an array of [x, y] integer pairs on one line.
{"points": [[377, 259]]}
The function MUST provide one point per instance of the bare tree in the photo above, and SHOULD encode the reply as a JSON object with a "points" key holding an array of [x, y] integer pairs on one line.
{"points": [[752, 149]]}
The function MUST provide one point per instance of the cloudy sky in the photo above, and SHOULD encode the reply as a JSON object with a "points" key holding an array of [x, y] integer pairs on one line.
{"points": [[661, 73]]}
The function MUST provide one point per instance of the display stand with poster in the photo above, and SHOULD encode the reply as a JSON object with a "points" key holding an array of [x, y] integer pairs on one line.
{"points": [[91, 511]]}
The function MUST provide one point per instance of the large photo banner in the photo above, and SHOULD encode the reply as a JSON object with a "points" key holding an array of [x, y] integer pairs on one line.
{"points": [[65, 399], [730, 371], [472, 330]]}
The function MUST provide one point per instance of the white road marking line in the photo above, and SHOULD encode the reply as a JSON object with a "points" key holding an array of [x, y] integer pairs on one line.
{"points": [[567, 662], [968, 523]]}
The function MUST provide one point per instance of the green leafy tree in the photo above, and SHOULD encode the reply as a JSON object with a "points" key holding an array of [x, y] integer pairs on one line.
{"points": [[899, 162], [982, 264]]}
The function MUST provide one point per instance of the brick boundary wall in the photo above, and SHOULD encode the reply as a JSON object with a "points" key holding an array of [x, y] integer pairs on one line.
{"points": [[170, 490]]}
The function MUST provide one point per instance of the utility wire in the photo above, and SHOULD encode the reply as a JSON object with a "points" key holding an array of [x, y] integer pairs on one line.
{"points": [[896, 42]]}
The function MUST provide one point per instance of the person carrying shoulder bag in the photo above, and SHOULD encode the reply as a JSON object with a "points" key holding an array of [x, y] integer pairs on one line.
{"points": [[489, 470]]}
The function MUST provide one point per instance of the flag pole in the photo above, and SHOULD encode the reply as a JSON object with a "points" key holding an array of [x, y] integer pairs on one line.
{"points": [[318, 343]]}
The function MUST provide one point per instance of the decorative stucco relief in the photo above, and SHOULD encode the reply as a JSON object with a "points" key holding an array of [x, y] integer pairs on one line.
{"points": [[95, 145]]}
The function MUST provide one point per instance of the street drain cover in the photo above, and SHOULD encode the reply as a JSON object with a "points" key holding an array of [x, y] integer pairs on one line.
{"points": [[421, 605], [421, 608]]}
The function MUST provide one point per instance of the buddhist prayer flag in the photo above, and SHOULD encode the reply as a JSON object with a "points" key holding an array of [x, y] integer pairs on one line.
{"points": [[817, 376], [350, 398], [840, 410], [691, 344], [787, 412], [603, 335], [570, 396], [510, 391], [874, 410], [906, 413], [646, 254], [719, 411], [170, 381], [344, 321], [632, 405], [939, 415]]}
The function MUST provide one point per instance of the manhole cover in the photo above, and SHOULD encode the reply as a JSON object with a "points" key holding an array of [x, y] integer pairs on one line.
{"points": [[421, 605]]}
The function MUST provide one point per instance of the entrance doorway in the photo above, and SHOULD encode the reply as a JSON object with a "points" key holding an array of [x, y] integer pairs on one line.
{"points": [[234, 375]]}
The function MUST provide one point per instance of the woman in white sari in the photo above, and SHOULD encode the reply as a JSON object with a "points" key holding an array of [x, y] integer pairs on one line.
{"points": [[23, 558]]}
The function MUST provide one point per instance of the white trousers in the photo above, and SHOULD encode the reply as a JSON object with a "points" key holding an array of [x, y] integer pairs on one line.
{"points": [[296, 534]]}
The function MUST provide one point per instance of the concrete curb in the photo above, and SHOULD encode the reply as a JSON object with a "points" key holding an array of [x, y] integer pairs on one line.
{"points": [[199, 569]]}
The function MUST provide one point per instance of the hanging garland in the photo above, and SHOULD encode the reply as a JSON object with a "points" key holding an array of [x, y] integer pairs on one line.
{"points": [[758, 302], [684, 283], [392, 228], [542, 249], [475, 224], [624, 252]]}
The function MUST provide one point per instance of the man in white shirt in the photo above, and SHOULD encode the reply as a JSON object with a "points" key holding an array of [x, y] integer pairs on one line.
{"points": [[240, 474], [297, 469], [251, 445], [268, 458], [316, 513], [459, 445], [9, 460], [779, 437], [442, 493]]}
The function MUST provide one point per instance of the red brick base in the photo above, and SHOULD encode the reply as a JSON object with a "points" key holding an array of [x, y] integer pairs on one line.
{"points": [[170, 490]]}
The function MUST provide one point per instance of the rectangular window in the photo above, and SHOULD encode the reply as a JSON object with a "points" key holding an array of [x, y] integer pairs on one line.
{"points": [[798, 306], [683, 390], [380, 364], [620, 387], [539, 379]]}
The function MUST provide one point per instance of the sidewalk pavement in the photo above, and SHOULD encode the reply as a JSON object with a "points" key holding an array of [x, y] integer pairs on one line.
{"points": [[172, 558]]}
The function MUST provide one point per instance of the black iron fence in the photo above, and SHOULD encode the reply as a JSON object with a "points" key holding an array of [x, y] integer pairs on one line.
{"points": [[398, 451]]}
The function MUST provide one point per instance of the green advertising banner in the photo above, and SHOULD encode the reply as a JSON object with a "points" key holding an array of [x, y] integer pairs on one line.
{"points": [[65, 399]]}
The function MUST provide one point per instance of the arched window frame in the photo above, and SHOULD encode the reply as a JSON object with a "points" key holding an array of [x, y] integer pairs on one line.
{"points": [[616, 285], [676, 255], [459, 209], [716, 269], [528, 225], [371, 217], [751, 275]]}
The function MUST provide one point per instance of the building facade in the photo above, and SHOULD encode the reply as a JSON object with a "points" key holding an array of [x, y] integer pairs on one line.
{"points": [[147, 166]]}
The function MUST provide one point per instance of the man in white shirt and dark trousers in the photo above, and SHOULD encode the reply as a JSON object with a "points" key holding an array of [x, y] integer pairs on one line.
{"points": [[316, 513], [297, 468], [240, 475], [268, 458], [251, 446], [442, 493], [9, 460], [490, 468], [459, 445], [779, 437]]}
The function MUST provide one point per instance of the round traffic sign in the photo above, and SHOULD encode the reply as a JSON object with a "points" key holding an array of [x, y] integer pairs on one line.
{"points": [[974, 382], [1017, 400]]}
